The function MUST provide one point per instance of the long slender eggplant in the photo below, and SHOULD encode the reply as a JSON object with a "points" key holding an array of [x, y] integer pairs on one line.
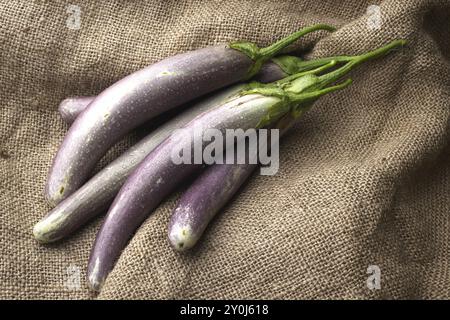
{"points": [[158, 175], [218, 183], [147, 93], [70, 108], [208, 194], [96, 195]]}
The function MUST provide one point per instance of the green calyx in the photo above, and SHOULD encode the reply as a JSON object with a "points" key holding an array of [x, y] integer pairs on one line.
{"points": [[261, 55], [299, 91], [289, 64]]}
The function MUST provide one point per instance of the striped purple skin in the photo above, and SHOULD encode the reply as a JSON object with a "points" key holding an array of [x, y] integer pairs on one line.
{"points": [[134, 100], [207, 195], [70, 108], [157, 176]]}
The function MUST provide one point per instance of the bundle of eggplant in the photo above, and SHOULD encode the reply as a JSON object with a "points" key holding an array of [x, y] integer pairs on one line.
{"points": [[274, 91]]}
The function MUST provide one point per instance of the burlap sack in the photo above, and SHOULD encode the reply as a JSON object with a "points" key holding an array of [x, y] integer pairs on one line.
{"points": [[364, 177]]}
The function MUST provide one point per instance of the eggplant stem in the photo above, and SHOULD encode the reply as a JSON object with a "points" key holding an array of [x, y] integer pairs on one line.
{"points": [[314, 95], [298, 92], [261, 55], [324, 67], [274, 49], [305, 100], [357, 60], [292, 65]]}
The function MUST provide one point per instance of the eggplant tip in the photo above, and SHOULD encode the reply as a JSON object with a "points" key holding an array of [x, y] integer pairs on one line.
{"points": [[40, 232], [48, 228], [95, 281], [181, 238], [95, 284]]}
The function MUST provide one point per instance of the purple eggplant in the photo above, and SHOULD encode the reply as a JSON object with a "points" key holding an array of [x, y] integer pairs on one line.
{"points": [[204, 198], [208, 194], [70, 108], [96, 195], [147, 93]]}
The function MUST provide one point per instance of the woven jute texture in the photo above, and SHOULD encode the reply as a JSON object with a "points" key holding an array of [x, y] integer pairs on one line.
{"points": [[364, 178]]}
